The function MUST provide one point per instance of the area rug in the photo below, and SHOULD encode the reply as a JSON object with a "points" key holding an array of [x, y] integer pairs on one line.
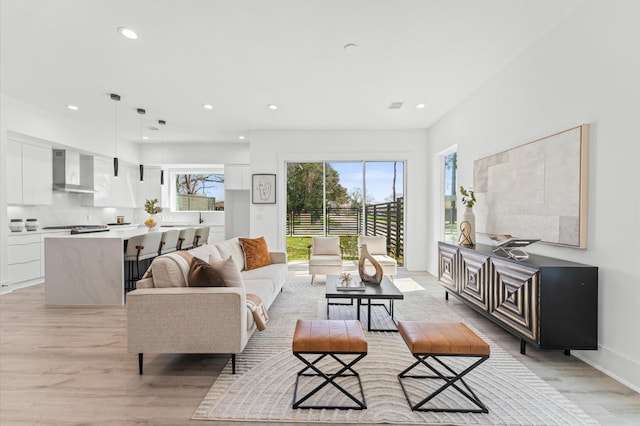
{"points": [[262, 388]]}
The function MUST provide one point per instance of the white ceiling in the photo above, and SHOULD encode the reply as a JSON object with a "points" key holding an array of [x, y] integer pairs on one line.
{"points": [[240, 56]]}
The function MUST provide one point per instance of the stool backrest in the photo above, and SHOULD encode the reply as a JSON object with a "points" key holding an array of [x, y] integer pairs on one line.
{"points": [[202, 235], [169, 241], [143, 246], [186, 238]]}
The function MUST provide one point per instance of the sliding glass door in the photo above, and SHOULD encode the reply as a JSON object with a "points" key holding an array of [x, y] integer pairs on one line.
{"points": [[345, 199]]}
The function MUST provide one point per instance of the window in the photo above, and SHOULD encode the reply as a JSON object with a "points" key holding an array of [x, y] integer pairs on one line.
{"points": [[197, 191], [346, 199], [450, 185]]}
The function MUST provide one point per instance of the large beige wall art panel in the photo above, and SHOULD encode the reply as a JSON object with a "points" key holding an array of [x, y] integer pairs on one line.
{"points": [[536, 190]]}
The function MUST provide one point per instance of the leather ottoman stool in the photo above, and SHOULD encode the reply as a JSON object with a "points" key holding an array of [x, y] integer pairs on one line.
{"points": [[315, 340], [435, 340]]}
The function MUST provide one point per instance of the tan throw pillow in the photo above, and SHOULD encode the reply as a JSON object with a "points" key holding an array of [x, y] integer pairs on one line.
{"points": [[256, 253], [201, 274], [229, 271]]}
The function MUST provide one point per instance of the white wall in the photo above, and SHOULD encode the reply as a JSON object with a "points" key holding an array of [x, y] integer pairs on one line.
{"points": [[585, 71], [270, 150]]}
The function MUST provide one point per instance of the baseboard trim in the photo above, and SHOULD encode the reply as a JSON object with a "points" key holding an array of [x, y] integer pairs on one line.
{"points": [[612, 358]]}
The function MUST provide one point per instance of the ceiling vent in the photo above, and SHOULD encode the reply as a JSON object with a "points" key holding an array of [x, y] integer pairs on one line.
{"points": [[396, 105]]}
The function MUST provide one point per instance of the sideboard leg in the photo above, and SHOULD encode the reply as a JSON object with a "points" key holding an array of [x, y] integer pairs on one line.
{"points": [[523, 347], [567, 352], [446, 295], [233, 363]]}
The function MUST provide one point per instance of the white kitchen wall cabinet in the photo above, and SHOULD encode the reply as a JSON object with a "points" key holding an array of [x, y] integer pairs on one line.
{"points": [[237, 176], [123, 188], [110, 191], [150, 189], [30, 173]]}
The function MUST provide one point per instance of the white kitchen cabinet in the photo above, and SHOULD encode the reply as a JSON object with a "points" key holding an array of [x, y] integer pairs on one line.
{"points": [[237, 176], [24, 257], [29, 171], [123, 188], [102, 176], [110, 191], [14, 172]]}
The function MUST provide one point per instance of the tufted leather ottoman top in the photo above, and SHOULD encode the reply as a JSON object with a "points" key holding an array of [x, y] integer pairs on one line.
{"points": [[441, 338], [329, 336]]}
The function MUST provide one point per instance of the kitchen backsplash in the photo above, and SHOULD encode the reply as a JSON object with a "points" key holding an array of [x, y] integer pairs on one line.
{"points": [[67, 209]]}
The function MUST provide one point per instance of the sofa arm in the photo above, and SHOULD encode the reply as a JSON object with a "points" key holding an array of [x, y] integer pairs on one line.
{"points": [[187, 320], [278, 256]]}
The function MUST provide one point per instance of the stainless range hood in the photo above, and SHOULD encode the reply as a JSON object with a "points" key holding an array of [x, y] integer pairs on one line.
{"points": [[67, 176]]}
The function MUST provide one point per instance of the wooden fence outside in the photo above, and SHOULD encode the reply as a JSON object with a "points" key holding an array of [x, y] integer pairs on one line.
{"points": [[379, 219]]}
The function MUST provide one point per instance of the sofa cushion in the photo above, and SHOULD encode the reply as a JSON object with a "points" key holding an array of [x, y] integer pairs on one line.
{"points": [[276, 274], [256, 253], [229, 271], [232, 248], [204, 251], [202, 274]]}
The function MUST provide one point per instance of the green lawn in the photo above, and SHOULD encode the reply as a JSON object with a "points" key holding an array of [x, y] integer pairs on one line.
{"points": [[297, 247]]}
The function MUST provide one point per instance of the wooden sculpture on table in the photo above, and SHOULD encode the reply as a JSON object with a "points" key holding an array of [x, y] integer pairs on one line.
{"points": [[364, 255]]}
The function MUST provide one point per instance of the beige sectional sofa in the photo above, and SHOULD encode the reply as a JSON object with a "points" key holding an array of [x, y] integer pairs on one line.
{"points": [[164, 315]]}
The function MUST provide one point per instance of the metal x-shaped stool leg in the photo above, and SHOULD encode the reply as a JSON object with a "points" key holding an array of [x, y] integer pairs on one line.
{"points": [[450, 381], [329, 378]]}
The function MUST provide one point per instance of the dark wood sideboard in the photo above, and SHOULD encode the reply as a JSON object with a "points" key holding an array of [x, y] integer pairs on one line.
{"points": [[547, 302]]}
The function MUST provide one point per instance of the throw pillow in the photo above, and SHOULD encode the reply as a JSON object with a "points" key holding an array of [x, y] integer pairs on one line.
{"points": [[256, 253], [201, 274], [229, 271]]}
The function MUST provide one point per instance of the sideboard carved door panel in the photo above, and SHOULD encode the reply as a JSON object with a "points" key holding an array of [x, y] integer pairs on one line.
{"points": [[474, 278], [447, 258], [514, 297]]}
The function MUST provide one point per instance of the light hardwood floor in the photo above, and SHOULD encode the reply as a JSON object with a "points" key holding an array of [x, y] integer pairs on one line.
{"points": [[62, 366]]}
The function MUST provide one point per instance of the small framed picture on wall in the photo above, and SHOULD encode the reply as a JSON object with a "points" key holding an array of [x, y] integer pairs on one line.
{"points": [[263, 189]]}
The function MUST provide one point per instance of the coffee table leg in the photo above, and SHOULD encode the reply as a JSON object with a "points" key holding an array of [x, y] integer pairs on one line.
{"points": [[358, 309], [368, 314]]}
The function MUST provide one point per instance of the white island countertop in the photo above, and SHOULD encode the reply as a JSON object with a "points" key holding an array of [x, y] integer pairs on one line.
{"points": [[87, 269]]}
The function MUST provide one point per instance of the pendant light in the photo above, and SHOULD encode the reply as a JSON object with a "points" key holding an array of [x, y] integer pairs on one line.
{"points": [[142, 112], [161, 123], [116, 98]]}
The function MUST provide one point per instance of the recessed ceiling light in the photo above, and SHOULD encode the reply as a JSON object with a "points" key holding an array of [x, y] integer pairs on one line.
{"points": [[73, 107], [207, 106], [145, 137], [128, 33], [420, 106], [272, 106], [241, 137]]}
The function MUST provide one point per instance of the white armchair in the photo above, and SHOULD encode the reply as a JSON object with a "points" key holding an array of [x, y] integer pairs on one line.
{"points": [[325, 256], [377, 248]]}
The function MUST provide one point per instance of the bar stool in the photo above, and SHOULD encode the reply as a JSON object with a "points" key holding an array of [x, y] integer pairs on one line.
{"points": [[140, 247], [202, 236], [185, 238], [169, 241]]}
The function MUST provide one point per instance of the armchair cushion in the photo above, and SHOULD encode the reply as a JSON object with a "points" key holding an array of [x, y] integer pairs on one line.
{"points": [[375, 244], [325, 245]]}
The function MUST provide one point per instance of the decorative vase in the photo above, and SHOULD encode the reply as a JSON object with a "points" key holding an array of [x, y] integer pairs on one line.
{"points": [[467, 228]]}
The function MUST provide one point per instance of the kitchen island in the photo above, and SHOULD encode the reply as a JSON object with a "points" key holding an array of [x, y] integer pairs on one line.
{"points": [[87, 269]]}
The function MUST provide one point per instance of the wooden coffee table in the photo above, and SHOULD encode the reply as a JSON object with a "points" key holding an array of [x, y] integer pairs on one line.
{"points": [[385, 291]]}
